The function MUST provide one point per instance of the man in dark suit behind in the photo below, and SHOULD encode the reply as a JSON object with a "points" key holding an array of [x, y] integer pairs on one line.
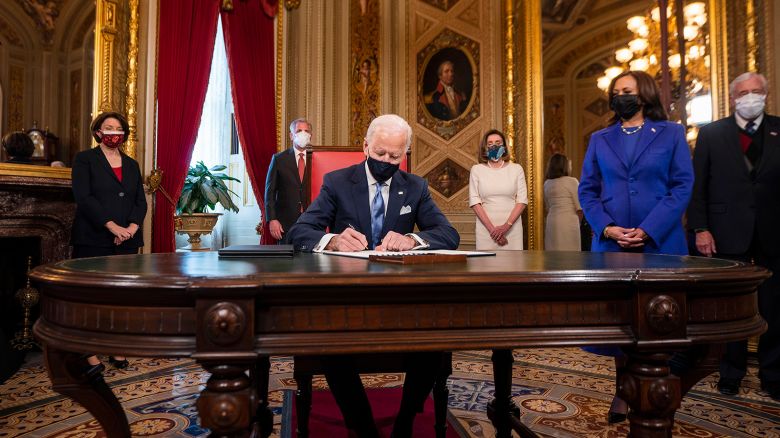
{"points": [[286, 196], [735, 210], [375, 205]]}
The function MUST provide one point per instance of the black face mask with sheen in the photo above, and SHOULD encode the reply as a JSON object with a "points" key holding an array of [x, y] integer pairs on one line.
{"points": [[381, 170], [626, 105]]}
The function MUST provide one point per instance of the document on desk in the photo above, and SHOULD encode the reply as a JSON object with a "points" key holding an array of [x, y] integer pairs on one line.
{"points": [[367, 254]]}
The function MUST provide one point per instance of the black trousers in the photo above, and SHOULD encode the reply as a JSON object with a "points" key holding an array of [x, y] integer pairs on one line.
{"points": [[734, 362], [344, 382]]}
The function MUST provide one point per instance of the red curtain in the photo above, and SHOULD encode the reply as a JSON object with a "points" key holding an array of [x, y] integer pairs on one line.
{"points": [[185, 48], [249, 40]]}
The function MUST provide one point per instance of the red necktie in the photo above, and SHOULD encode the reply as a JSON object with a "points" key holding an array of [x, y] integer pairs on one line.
{"points": [[301, 166]]}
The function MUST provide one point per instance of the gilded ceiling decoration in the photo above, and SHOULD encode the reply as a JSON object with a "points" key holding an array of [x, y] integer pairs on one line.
{"points": [[44, 13], [9, 34], [562, 64], [557, 11]]}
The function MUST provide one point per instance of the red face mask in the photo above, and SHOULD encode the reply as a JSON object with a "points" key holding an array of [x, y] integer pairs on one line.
{"points": [[112, 139]]}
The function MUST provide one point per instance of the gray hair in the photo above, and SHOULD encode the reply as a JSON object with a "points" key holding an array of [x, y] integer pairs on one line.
{"points": [[747, 76], [390, 123], [441, 67], [295, 122]]}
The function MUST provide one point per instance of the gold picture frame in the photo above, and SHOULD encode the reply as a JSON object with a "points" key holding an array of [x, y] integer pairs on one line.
{"points": [[464, 53], [107, 94]]}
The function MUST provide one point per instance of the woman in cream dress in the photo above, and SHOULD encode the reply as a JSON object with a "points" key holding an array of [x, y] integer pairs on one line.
{"points": [[562, 231], [498, 195]]}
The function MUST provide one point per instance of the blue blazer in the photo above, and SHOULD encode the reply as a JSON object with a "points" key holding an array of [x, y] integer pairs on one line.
{"points": [[343, 201], [651, 192]]}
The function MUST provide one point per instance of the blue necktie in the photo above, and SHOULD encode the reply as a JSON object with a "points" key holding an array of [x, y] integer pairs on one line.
{"points": [[751, 128], [377, 216]]}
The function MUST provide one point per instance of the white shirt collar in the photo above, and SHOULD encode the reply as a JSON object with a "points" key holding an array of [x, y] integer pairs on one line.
{"points": [[371, 179], [742, 122]]}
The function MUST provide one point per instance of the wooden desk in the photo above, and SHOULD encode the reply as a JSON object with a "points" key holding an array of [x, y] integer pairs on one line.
{"points": [[231, 315]]}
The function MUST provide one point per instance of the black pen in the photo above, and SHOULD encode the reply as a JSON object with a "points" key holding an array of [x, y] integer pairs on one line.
{"points": [[351, 226]]}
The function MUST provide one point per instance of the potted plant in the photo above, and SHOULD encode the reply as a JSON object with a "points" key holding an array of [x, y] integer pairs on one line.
{"points": [[203, 188]]}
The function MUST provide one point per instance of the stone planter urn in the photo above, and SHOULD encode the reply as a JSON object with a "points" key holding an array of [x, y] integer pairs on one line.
{"points": [[194, 225]]}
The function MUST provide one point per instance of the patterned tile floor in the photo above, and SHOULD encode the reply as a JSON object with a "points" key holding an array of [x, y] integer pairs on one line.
{"points": [[562, 392]]}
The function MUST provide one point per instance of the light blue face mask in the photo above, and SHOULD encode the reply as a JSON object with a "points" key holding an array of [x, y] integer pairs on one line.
{"points": [[495, 152]]}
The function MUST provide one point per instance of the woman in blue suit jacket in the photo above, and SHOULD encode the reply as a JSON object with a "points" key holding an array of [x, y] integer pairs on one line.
{"points": [[637, 179], [637, 176]]}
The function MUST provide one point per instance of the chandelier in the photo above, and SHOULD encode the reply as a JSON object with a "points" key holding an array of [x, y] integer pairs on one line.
{"points": [[689, 99]]}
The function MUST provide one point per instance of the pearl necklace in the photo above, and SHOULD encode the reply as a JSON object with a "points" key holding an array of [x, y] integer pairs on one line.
{"points": [[632, 130], [489, 163]]}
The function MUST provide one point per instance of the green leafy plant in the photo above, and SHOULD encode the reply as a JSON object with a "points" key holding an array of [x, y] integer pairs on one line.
{"points": [[206, 187]]}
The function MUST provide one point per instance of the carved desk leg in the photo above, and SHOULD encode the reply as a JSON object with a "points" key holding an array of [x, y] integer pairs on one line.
{"points": [[67, 374], [225, 405], [303, 396], [653, 394], [264, 418], [501, 407], [229, 403]]}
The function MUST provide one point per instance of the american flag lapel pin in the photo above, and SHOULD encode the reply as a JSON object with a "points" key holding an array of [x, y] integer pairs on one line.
{"points": [[773, 133], [652, 129]]}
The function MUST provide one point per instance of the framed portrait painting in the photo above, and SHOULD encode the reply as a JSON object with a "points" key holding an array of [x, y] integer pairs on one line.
{"points": [[448, 84]]}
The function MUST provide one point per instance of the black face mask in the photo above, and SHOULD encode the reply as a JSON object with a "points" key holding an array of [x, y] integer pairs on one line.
{"points": [[626, 105], [381, 170]]}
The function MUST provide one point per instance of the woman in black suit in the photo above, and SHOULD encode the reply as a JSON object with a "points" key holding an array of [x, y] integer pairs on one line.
{"points": [[110, 201]]}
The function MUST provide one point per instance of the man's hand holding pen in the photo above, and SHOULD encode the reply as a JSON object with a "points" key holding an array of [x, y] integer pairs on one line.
{"points": [[350, 240]]}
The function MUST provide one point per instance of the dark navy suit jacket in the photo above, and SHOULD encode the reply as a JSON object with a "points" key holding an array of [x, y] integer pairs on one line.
{"points": [[651, 192], [726, 200], [285, 194], [343, 201]]}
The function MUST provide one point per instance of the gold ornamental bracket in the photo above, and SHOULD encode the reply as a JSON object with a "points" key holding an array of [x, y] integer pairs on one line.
{"points": [[154, 183]]}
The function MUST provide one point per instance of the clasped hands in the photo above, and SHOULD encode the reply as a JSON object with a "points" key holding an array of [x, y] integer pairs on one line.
{"points": [[627, 237], [121, 233], [498, 234], [351, 240]]}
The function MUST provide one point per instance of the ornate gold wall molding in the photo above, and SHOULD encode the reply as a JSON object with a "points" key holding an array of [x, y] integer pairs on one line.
{"points": [[509, 78], [280, 131], [131, 100], [16, 98], [719, 58], [106, 16], [364, 93], [109, 62], [527, 19]]}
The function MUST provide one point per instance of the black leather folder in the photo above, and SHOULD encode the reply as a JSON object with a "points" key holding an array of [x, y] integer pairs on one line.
{"points": [[256, 251]]}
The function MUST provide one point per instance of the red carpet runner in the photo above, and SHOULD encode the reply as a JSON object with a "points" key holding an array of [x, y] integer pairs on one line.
{"points": [[326, 420]]}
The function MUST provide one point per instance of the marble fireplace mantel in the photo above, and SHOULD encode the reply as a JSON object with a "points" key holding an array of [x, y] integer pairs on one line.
{"points": [[37, 201]]}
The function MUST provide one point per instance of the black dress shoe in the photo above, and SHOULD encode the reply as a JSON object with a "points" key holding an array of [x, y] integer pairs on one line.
{"points": [[772, 389], [120, 364], [616, 417], [92, 372], [728, 386]]}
